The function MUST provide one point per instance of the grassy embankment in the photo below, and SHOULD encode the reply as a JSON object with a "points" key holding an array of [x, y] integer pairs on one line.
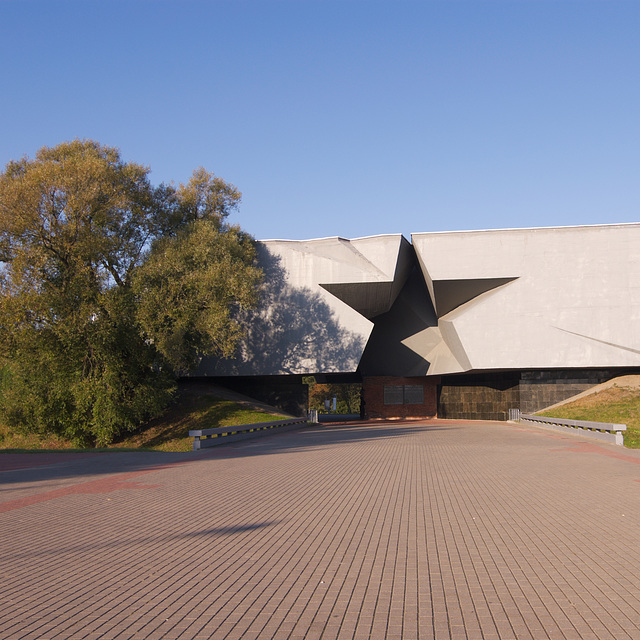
{"points": [[616, 404], [169, 432]]}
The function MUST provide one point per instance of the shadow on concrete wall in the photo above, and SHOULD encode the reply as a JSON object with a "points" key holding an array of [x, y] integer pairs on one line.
{"points": [[292, 331]]}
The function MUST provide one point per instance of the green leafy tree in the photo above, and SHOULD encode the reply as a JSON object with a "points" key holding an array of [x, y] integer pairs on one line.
{"points": [[109, 287], [348, 396], [196, 278]]}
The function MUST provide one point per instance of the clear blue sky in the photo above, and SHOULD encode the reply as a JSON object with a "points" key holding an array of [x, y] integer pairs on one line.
{"points": [[345, 117]]}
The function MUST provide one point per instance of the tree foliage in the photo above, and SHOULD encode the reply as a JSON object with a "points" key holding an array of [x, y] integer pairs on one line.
{"points": [[109, 287], [348, 396]]}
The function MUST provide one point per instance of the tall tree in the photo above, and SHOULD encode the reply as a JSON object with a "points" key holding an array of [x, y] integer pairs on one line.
{"points": [[109, 287]]}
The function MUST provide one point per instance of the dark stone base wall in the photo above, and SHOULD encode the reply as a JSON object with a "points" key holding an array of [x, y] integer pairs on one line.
{"points": [[489, 396], [541, 389], [486, 396], [287, 393], [477, 396]]}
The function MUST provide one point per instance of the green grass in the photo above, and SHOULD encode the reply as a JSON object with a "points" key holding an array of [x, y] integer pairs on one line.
{"points": [[169, 432], [617, 404]]}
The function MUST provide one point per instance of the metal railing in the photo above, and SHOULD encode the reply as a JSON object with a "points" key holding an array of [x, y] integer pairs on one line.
{"points": [[607, 431], [203, 438]]}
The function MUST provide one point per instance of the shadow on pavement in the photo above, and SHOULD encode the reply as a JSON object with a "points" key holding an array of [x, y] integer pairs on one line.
{"points": [[123, 542], [61, 466]]}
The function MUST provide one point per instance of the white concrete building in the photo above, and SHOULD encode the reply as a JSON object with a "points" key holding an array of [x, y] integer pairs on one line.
{"points": [[566, 297], [499, 317]]}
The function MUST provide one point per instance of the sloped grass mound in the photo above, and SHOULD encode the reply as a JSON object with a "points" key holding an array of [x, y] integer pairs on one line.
{"points": [[169, 432], [616, 404]]}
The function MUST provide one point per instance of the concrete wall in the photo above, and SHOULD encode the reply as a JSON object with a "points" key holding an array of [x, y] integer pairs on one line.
{"points": [[533, 298], [317, 304]]}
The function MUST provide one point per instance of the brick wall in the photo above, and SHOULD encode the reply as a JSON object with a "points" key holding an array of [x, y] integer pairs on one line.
{"points": [[373, 389]]}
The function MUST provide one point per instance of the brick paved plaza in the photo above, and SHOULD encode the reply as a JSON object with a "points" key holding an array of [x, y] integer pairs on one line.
{"points": [[435, 529]]}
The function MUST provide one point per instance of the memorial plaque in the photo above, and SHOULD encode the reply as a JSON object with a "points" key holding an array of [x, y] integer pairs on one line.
{"points": [[393, 394], [414, 394]]}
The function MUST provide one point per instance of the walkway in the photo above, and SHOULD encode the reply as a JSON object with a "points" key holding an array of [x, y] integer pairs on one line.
{"points": [[411, 530]]}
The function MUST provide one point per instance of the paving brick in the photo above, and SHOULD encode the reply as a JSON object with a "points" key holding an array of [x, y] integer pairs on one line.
{"points": [[417, 530]]}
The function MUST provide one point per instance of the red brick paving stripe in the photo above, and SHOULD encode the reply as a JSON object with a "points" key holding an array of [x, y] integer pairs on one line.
{"points": [[585, 447], [103, 485]]}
